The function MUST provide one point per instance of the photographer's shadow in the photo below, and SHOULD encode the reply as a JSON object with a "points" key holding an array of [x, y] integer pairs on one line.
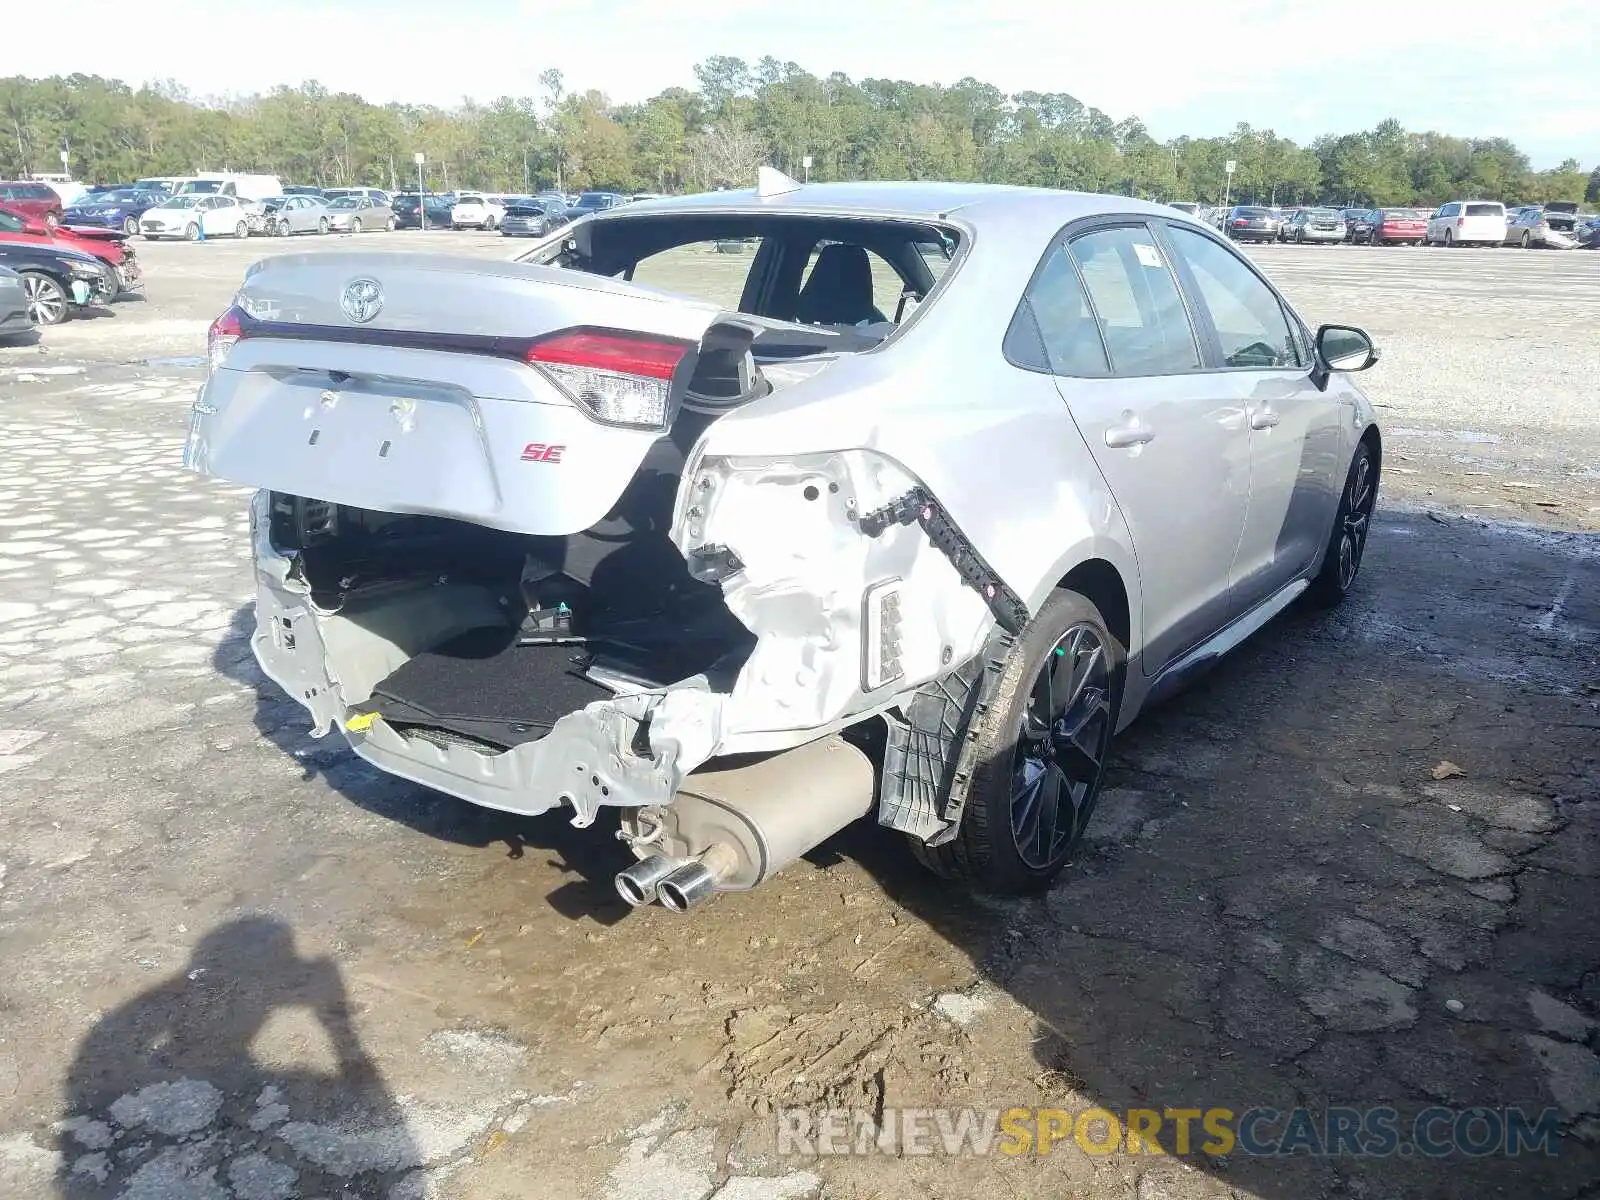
{"points": [[179, 1093]]}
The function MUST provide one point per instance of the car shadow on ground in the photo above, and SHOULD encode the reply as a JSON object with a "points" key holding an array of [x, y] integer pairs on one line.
{"points": [[1279, 907], [586, 858], [173, 1094]]}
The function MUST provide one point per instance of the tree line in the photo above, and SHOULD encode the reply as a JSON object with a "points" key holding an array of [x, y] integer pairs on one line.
{"points": [[737, 117]]}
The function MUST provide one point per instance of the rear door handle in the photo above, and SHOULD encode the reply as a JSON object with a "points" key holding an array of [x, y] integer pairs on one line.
{"points": [[1130, 433], [1263, 417]]}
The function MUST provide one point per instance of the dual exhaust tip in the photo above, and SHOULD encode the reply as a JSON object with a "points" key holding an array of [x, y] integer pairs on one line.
{"points": [[677, 883]]}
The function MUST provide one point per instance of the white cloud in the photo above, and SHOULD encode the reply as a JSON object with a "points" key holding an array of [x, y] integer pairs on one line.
{"points": [[1182, 66]]}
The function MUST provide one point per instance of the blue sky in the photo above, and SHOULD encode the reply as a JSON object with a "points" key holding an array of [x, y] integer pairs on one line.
{"points": [[1528, 72]]}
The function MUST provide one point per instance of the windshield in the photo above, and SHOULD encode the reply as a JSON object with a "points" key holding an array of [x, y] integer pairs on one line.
{"points": [[195, 186], [178, 202], [152, 185], [118, 195], [593, 200], [345, 202], [1324, 214]]}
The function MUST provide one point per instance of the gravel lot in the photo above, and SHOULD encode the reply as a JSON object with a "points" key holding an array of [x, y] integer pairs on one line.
{"points": [[239, 963]]}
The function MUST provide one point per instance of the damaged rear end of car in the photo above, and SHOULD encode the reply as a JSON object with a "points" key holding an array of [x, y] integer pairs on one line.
{"points": [[502, 546]]}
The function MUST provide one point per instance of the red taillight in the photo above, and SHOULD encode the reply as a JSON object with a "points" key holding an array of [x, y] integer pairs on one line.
{"points": [[1240, 221], [611, 352], [1460, 221], [619, 378], [224, 332]]}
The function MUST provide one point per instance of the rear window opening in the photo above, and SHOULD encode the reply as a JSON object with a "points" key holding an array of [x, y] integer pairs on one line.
{"points": [[1485, 210], [817, 284]]}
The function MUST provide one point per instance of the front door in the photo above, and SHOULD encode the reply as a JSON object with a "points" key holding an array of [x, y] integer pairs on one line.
{"points": [[1296, 430]]}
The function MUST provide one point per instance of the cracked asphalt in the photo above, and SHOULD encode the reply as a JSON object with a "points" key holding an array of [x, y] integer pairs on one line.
{"points": [[241, 965]]}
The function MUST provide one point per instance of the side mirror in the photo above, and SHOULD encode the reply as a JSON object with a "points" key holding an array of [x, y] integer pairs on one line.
{"points": [[1341, 348]]}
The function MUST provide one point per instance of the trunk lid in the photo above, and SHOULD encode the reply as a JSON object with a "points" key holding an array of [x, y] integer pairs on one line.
{"points": [[400, 383]]}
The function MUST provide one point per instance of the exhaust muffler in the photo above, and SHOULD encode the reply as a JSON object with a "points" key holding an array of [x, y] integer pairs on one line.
{"points": [[730, 828]]}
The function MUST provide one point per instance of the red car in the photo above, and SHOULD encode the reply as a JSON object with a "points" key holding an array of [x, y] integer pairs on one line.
{"points": [[32, 199], [1385, 225], [110, 246]]}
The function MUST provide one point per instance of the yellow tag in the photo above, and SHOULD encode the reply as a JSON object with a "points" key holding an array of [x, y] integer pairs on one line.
{"points": [[361, 722]]}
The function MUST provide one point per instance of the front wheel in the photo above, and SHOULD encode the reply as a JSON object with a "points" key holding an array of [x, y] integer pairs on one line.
{"points": [[322, 224], [46, 299], [1449, 239], [1527, 240], [191, 232], [130, 225], [241, 231], [1041, 753], [285, 229], [1348, 540], [388, 226], [355, 225], [488, 224]]}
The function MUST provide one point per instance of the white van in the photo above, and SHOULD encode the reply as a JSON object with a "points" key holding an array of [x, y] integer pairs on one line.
{"points": [[1468, 223], [228, 183]]}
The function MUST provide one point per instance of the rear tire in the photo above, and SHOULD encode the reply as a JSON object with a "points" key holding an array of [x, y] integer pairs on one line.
{"points": [[1036, 782], [355, 225], [1526, 241], [191, 232], [241, 231], [130, 225], [1449, 239], [322, 224], [1347, 542]]}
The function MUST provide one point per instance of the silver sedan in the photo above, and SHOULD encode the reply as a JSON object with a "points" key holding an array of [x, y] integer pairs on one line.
{"points": [[14, 318], [979, 472], [358, 214], [287, 215]]}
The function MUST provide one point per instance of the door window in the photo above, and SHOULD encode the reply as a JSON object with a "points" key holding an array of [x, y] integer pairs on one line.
{"points": [[1067, 331], [1249, 320], [1136, 302]]}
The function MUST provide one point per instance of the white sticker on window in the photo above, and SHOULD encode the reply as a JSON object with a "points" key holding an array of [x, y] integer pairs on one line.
{"points": [[1148, 255]]}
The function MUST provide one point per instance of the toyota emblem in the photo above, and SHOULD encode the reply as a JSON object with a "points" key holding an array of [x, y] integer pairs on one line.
{"points": [[362, 300]]}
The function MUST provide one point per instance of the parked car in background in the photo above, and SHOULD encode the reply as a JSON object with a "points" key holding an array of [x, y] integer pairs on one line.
{"points": [[32, 199], [1251, 223], [117, 209], [1552, 226], [283, 216], [1324, 226], [14, 318], [57, 281], [410, 210], [190, 216], [533, 217], [377, 195], [1185, 457], [229, 183], [1586, 231], [1188, 207], [474, 210], [167, 185], [358, 212], [1468, 223], [1386, 226], [110, 246], [593, 202]]}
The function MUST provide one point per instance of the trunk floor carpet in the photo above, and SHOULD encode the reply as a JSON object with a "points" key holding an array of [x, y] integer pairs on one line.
{"points": [[485, 687]]}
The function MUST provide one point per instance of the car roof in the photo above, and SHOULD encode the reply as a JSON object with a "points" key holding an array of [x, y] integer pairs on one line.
{"points": [[977, 203]]}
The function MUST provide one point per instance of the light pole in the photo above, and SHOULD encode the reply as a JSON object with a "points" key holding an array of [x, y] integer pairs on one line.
{"points": [[422, 207]]}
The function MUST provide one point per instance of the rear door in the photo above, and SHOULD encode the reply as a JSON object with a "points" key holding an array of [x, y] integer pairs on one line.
{"points": [[1296, 430], [1175, 454]]}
